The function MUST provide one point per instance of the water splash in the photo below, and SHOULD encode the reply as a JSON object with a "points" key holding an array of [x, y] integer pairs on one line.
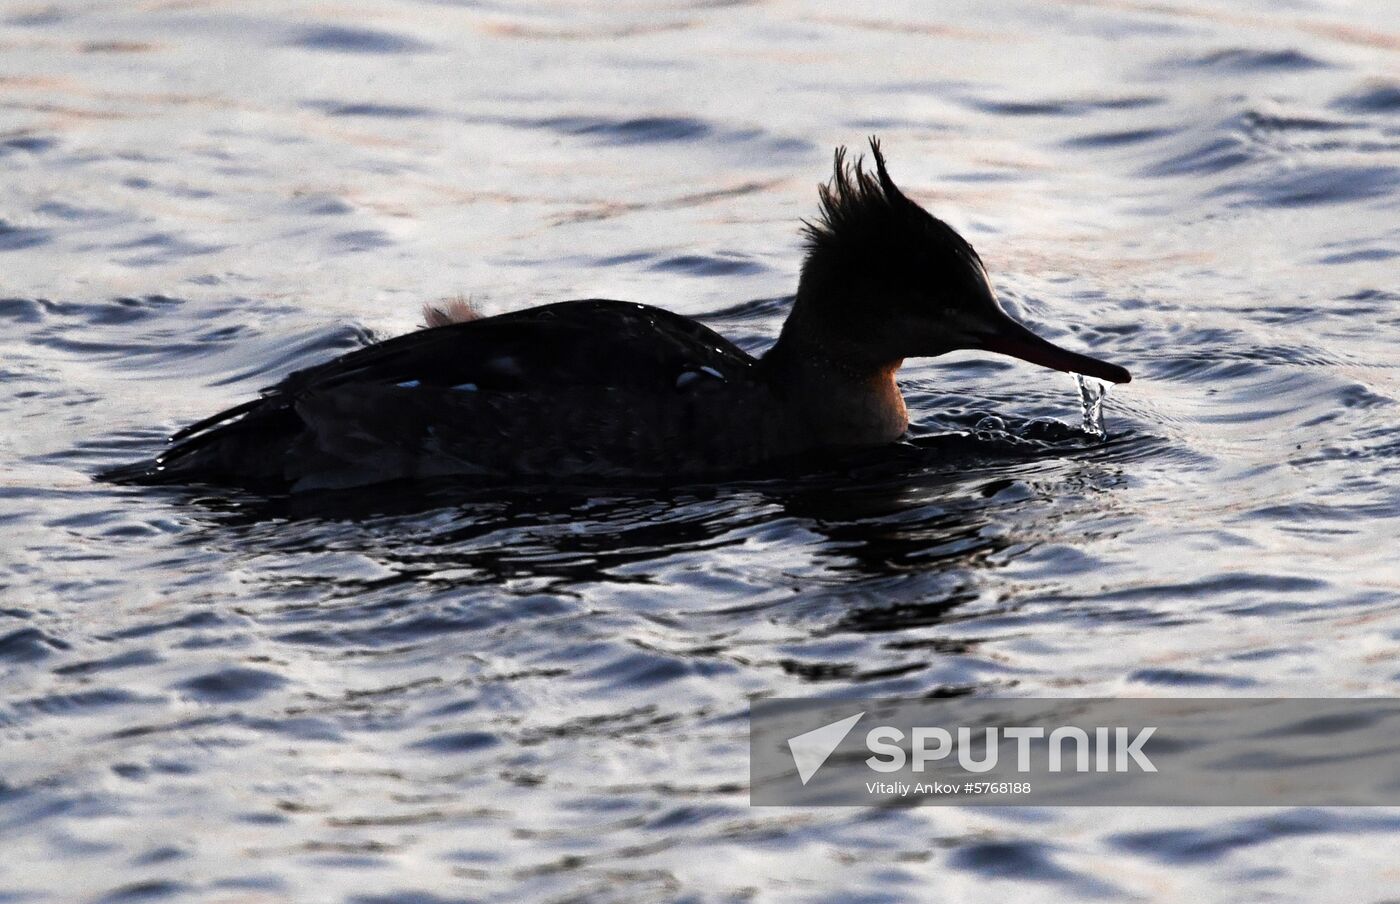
{"points": [[1044, 432], [1091, 396]]}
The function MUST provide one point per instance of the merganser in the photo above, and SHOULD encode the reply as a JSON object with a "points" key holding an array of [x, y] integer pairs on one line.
{"points": [[610, 388]]}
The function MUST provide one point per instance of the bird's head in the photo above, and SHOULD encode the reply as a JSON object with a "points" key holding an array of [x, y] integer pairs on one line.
{"points": [[884, 280]]}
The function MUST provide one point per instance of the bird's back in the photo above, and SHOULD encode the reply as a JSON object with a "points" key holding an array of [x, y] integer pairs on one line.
{"points": [[593, 387]]}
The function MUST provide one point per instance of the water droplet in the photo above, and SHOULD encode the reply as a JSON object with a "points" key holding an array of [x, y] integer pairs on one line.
{"points": [[1091, 396], [989, 426]]}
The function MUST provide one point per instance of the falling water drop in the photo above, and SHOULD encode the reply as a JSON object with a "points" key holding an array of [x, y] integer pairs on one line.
{"points": [[1091, 396]]}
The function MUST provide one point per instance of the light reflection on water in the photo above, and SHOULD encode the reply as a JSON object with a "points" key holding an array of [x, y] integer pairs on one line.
{"points": [[538, 693]]}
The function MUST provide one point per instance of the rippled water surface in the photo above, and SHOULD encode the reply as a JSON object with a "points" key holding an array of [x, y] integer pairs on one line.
{"points": [[541, 694]]}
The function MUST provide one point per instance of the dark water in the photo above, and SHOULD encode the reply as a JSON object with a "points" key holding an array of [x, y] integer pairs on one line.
{"points": [[534, 694]]}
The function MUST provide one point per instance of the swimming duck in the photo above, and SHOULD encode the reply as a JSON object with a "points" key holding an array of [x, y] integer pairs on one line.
{"points": [[613, 388]]}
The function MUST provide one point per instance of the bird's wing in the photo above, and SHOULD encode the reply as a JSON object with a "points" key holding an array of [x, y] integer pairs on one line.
{"points": [[597, 344]]}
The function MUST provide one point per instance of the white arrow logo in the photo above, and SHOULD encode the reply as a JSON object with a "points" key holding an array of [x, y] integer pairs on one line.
{"points": [[810, 749]]}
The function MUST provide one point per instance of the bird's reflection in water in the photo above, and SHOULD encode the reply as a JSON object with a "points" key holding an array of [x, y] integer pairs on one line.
{"points": [[904, 532]]}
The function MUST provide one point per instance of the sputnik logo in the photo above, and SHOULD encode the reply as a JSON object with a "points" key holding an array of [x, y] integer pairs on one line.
{"points": [[811, 749]]}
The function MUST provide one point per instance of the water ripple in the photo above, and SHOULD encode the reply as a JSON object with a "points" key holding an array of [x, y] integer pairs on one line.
{"points": [[346, 39], [423, 691]]}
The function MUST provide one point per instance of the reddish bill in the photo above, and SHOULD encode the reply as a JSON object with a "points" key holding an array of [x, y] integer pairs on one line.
{"points": [[1011, 338]]}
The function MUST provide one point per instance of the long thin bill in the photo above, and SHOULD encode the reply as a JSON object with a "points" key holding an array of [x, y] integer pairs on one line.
{"points": [[1011, 338]]}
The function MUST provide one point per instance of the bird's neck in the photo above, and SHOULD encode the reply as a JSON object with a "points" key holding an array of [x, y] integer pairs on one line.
{"points": [[836, 393]]}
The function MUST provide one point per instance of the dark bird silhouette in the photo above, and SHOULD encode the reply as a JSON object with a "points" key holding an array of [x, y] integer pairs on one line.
{"points": [[602, 388]]}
